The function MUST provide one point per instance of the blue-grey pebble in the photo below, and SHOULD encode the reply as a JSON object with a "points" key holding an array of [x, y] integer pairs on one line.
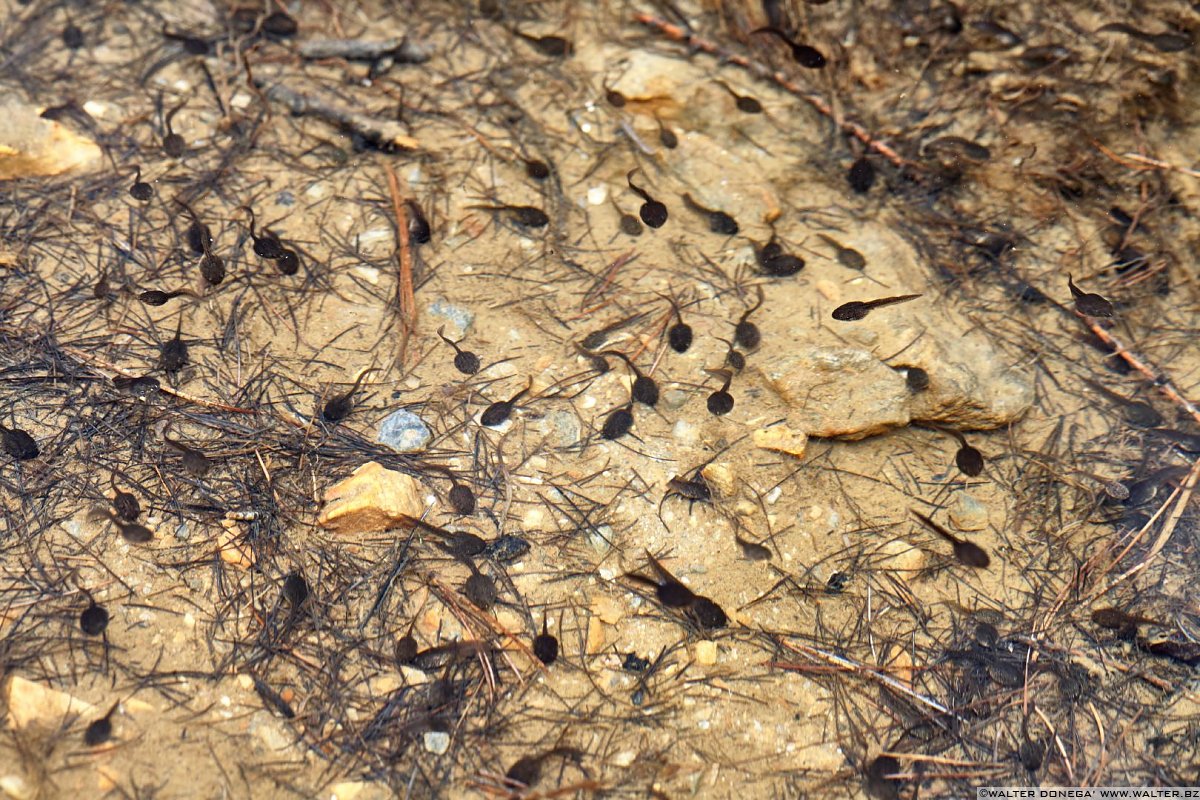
{"points": [[404, 432]]}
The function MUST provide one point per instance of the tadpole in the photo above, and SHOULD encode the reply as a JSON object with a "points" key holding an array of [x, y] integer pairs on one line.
{"points": [[967, 553], [339, 407], [266, 246], [746, 333], [545, 645], [295, 589], [461, 545], [462, 499], [858, 309], [618, 423], [524, 216], [537, 169], [72, 36], [212, 268], [968, 460], [1166, 42], [553, 46], [847, 256], [465, 361], [419, 231], [644, 389], [199, 236], [480, 589], [718, 221], [679, 335], [720, 402], [745, 103], [630, 225], [666, 136], [527, 769], [1089, 303], [19, 444], [93, 620], [174, 354], [1138, 413], [777, 263], [155, 297], [752, 551], [707, 614], [173, 144], [652, 212], [406, 646], [140, 190], [861, 175], [498, 413], [194, 462], [735, 360], [100, 730], [669, 591], [915, 378], [805, 55], [124, 504]]}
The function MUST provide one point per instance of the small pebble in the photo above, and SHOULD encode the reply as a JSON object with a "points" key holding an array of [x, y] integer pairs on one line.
{"points": [[968, 514], [437, 742], [404, 432], [460, 319]]}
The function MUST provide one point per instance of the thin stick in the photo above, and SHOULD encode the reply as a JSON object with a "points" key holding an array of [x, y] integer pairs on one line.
{"points": [[404, 286], [678, 34], [1155, 377]]}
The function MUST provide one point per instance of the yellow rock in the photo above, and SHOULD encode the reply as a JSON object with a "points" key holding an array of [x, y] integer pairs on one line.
{"points": [[31, 146], [607, 609], [596, 637], [16, 788], [30, 703], [706, 652], [902, 556], [781, 439], [231, 550], [720, 477], [373, 498]]}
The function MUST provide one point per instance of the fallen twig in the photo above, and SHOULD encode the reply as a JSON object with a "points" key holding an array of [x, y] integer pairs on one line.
{"points": [[382, 132]]}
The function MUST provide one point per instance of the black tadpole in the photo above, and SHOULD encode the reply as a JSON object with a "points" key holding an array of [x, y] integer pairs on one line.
{"points": [[667, 588], [545, 646], [720, 402], [100, 730], [679, 335], [465, 361], [861, 175], [172, 143], [718, 221], [498, 413], [1089, 303], [419, 231], [140, 190], [666, 136], [19, 444], [805, 55], [266, 246], [652, 212], [775, 262], [858, 309], [644, 389], [295, 589], [174, 354], [617, 424], [406, 646], [524, 216], [745, 103], [746, 333], [338, 408], [194, 462], [124, 504], [93, 620], [630, 225]]}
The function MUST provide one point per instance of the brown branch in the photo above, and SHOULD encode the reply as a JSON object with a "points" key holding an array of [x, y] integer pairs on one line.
{"points": [[405, 299]]}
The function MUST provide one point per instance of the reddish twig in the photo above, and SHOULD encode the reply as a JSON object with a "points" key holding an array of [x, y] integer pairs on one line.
{"points": [[404, 286]]}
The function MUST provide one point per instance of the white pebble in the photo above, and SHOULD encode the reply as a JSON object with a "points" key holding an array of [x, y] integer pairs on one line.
{"points": [[597, 195], [437, 742]]}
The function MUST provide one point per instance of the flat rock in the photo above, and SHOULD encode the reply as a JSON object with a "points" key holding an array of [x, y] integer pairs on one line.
{"points": [[835, 379], [31, 147], [403, 431], [373, 498], [33, 704]]}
